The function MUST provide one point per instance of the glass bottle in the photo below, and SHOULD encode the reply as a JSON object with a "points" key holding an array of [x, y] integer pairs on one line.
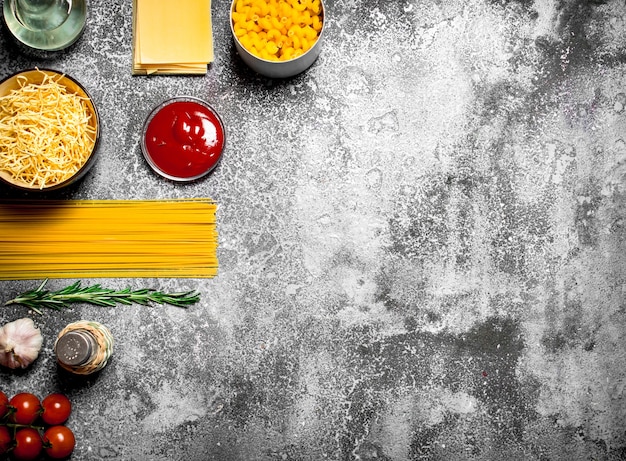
{"points": [[48, 25]]}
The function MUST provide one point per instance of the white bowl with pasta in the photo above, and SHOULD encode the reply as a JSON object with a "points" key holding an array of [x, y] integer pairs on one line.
{"points": [[49, 130], [278, 38]]}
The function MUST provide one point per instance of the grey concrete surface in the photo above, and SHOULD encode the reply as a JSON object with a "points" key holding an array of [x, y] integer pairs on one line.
{"points": [[421, 244]]}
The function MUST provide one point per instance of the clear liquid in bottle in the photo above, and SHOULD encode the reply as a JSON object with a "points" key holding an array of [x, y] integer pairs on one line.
{"points": [[42, 15], [46, 24]]}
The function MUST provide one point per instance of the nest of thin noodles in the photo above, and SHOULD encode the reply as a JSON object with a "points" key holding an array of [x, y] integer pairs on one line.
{"points": [[45, 132]]}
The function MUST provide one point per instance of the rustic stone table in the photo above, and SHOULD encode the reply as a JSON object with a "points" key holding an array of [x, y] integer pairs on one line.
{"points": [[422, 244]]}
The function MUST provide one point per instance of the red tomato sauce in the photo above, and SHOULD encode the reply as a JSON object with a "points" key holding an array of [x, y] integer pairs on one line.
{"points": [[184, 140]]}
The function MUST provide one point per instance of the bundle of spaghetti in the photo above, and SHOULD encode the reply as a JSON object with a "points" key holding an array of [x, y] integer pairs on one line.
{"points": [[108, 238]]}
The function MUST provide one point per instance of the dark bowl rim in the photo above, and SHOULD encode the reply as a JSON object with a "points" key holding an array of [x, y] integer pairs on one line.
{"points": [[155, 110], [92, 156]]}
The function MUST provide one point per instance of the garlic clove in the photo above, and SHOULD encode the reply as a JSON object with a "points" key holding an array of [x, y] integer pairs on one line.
{"points": [[20, 343]]}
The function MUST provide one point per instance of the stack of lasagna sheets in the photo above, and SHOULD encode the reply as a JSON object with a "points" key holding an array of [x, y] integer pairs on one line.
{"points": [[172, 37]]}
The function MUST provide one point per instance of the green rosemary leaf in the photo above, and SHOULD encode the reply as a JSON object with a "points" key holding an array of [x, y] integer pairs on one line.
{"points": [[95, 294]]}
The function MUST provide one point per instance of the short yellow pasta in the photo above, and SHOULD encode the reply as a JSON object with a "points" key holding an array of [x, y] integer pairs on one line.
{"points": [[277, 30]]}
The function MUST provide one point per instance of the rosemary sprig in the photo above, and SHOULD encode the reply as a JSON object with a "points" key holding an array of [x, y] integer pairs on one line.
{"points": [[95, 294]]}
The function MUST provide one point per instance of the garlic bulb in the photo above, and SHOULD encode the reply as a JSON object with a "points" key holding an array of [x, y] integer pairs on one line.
{"points": [[20, 343]]}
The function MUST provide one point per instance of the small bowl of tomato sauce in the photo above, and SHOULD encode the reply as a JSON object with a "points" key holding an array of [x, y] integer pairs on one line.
{"points": [[183, 139]]}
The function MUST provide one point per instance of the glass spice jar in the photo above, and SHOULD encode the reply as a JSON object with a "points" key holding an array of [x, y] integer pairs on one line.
{"points": [[83, 347]]}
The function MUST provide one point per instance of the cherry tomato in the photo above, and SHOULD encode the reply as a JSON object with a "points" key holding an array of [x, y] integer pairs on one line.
{"points": [[28, 444], [5, 439], [59, 442], [56, 409], [4, 401], [25, 408]]}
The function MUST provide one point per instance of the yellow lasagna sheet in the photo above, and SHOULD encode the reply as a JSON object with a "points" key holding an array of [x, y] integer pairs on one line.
{"points": [[172, 37]]}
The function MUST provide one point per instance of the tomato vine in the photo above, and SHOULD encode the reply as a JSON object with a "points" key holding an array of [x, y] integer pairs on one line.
{"points": [[25, 440]]}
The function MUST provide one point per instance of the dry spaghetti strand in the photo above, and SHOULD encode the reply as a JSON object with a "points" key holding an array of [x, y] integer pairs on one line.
{"points": [[108, 238]]}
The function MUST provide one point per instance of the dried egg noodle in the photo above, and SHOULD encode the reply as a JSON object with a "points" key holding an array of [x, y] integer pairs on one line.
{"points": [[107, 238], [45, 133]]}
